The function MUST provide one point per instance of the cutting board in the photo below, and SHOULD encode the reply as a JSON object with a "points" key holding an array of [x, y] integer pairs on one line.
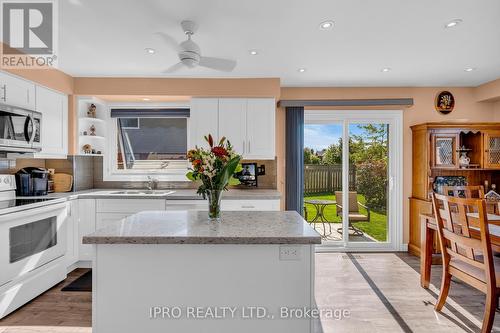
{"points": [[62, 182]]}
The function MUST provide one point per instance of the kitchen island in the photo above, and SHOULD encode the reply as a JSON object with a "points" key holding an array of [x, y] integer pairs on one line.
{"points": [[174, 271]]}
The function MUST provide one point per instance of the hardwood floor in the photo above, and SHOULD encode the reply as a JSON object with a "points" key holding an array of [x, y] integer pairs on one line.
{"points": [[380, 291], [53, 311]]}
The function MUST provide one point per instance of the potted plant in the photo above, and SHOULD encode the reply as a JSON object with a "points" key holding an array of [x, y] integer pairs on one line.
{"points": [[215, 168]]}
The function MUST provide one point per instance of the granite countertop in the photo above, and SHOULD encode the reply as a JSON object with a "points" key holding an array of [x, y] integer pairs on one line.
{"points": [[193, 227], [178, 194]]}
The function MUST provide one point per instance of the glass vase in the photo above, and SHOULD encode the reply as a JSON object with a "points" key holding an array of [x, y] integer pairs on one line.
{"points": [[214, 197]]}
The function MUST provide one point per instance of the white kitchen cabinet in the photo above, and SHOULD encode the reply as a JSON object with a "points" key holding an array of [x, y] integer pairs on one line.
{"points": [[250, 205], [104, 220], [72, 228], [54, 109], [86, 225], [249, 123], [112, 210], [16, 91], [187, 205], [232, 122], [130, 206], [203, 120], [260, 128]]}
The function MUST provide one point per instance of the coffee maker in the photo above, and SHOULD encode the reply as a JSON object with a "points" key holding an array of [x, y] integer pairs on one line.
{"points": [[32, 181]]}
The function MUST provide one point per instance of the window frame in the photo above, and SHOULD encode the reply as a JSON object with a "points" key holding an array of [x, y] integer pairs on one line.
{"points": [[110, 170]]}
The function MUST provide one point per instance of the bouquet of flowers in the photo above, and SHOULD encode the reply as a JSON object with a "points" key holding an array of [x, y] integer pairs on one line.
{"points": [[215, 168]]}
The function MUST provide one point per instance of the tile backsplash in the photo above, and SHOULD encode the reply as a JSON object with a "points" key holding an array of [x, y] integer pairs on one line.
{"points": [[87, 173]]}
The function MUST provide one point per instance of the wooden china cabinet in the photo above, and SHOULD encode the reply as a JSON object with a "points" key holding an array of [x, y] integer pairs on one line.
{"points": [[436, 154]]}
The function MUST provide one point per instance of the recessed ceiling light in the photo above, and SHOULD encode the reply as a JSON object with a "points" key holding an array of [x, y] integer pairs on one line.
{"points": [[326, 25], [453, 23], [386, 69], [253, 52], [469, 69], [301, 70], [146, 99], [149, 50]]}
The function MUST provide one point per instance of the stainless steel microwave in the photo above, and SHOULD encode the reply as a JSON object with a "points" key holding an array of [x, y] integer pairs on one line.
{"points": [[20, 130]]}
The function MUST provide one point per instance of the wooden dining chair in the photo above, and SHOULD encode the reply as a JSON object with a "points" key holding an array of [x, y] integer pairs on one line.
{"points": [[466, 251]]}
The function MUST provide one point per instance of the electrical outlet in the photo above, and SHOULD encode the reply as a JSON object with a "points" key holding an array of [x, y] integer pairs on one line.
{"points": [[289, 252]]}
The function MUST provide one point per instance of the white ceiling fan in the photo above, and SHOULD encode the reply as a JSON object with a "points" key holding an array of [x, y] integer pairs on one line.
{"points": [[190, 54]]}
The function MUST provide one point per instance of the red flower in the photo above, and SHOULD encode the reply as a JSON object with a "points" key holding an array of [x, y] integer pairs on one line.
{"points": [[219, 151], [196, 162]]}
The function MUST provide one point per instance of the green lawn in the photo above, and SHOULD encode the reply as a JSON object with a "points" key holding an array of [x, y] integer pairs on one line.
{"points": [[376, 228]]}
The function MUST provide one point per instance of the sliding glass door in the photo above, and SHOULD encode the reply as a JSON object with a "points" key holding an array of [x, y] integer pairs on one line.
{"points": [[353, 192]]}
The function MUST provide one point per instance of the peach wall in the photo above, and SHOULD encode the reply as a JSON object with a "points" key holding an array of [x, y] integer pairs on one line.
{"points": [[267, 87], [488, 92], [466, 110]]}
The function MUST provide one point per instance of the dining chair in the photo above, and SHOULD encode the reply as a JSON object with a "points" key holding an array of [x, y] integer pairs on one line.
{"points": [[466, 251]]}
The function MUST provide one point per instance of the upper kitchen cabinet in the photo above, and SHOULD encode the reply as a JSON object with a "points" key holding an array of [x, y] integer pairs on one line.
{"points": [[248, 123], [260, 120], [54, 109], [16, 91], [203, 120], [232, 122]]}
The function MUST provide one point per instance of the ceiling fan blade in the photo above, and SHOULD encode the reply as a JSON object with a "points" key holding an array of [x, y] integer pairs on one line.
{"points": [[174, 68], [169, 40], [225, 65]]}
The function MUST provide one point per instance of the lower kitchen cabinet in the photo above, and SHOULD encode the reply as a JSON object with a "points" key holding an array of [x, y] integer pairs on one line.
{"points": [[86, 225], [112, 210], [249, 205], [72, 228], [87, 215], [102, 220]]}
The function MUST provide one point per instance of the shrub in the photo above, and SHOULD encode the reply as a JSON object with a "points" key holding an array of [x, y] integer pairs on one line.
{"points": [[371, 181]]}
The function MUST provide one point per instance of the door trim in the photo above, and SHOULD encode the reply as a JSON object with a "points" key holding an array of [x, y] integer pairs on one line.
{"points": [[395, 213]]}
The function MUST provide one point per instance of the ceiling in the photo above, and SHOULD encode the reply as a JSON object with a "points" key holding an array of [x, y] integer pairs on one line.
{"points": [[108, 38]]}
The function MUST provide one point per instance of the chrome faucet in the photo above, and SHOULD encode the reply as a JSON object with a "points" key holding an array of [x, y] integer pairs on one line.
{"points": [[152, 183]]}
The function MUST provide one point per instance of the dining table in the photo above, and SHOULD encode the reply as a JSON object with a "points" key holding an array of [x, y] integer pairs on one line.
{"points": [[428, 228]]}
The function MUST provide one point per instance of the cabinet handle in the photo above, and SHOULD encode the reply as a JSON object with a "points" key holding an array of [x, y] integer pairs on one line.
{"points": [[249, 146], [247, 206], [243, 146], [4, 97], [28, 96]]}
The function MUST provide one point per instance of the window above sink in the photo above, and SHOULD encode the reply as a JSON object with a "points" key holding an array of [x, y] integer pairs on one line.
{"points": [[147, 141]]}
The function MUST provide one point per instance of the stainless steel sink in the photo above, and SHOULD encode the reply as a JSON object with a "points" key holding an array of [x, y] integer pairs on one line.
{"points": [[138, 192]]}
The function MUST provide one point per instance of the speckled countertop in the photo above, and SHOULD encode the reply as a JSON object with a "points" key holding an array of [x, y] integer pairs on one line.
{"points": [[193, 227], [178, 194]]}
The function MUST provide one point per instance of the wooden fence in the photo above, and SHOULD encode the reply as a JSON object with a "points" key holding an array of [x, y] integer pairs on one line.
{"points": [[326, 178]]}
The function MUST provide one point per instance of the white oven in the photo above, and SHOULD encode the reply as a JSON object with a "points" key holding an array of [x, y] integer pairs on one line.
{"points": [[30, 239]]}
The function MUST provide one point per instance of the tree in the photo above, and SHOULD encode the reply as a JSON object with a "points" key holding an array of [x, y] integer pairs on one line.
{"points": [[310, 157]]}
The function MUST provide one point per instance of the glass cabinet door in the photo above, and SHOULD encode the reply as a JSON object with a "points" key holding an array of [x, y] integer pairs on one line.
{"points": [[492, 149], [444, 150]]}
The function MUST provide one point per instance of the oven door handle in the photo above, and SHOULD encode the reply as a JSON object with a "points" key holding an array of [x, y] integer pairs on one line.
{"points": [[26, 127]]}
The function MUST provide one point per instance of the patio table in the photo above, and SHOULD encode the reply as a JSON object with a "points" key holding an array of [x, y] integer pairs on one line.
{"points": [[320, 206]]}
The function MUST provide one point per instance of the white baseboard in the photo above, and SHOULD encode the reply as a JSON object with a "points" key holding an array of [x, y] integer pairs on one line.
{"points": [[80, 264], [403, 247]]}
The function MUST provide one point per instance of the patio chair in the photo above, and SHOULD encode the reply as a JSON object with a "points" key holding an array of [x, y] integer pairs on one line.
{"points": [[354, 214]]}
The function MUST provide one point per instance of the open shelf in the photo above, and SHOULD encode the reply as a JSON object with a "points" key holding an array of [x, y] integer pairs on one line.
{"points": [[92, 119], [97, 142], [92, 137]]}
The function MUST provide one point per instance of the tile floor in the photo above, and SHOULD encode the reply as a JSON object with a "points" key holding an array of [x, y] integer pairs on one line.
{"points": [[380, 291]]}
